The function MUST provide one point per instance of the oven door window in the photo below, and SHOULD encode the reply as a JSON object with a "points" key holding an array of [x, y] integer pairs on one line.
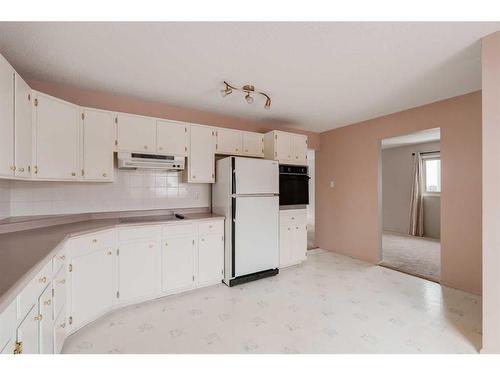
{"points": [[294, 189]]}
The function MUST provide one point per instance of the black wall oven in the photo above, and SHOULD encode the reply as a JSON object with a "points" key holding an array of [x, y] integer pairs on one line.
{"points": [[294, 185]]}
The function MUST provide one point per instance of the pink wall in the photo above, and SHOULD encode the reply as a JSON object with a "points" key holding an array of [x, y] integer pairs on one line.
{"points": [[347, 216], [121, 103], [491, 193]]}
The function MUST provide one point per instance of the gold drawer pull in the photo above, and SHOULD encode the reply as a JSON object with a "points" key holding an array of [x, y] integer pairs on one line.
{"points": [[73, 174], [104, 175], [43, 279], [109, 252], [145, 147], [48, 302], [94, 240], [38, 317], [62, 281]]}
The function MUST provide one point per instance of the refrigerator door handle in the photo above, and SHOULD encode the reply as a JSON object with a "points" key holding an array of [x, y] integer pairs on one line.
{"points": [[233, 174]]}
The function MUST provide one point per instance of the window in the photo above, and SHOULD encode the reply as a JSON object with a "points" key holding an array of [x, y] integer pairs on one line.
{"points": [[432, 175]]}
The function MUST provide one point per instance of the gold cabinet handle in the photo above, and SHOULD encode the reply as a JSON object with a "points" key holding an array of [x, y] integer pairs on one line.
{"points": [[62, 281], [109, 252], [194, 176], [43, 279], [104, 175], [145, 147], [48, 302], [38, 317], [237, 150], [94, 240], [73, 173]]}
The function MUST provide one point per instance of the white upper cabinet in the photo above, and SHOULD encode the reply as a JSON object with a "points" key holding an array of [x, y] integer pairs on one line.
{"points": [[228, 141], [57, 153], [136, 133], [171, 138], [299, 149], [253, 144], [98, 138], [287, 148], [6, 119], [201, 159], [23, 128]]}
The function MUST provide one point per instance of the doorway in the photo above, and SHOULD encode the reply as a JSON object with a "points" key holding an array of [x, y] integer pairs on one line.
{"points": [[410, 176]]}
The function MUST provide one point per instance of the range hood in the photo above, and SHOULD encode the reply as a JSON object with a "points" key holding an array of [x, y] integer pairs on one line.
{"points": [[134, 160]]}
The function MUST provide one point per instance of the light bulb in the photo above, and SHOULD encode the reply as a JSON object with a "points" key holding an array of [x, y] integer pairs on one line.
{"points": [[248, 98]]}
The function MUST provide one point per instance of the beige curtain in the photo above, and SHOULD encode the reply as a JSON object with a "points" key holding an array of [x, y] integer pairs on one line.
{"points": [[416, 201]]}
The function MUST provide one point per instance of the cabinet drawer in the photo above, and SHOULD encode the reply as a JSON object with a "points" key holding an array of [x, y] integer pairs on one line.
{"points": [[59, 332], [211, 227], [98, 240], [293, 217], [29, 296], [59, 285], [178, 230], [7, 325], [138, 233], [58, 261]]}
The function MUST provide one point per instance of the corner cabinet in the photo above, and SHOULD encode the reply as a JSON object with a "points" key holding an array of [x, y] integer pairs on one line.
{"points": [[287, 148], [57, 147], [201, 158], [97, 145], [293, 237]]}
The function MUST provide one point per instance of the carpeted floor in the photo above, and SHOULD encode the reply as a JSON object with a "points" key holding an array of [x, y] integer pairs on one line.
{"points": [[414, 255]]}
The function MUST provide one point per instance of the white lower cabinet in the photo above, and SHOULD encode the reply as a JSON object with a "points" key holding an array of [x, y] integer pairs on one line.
{"points": [[28, 332], [210, 259], [178, 263], [139, 268], [92, 284], [293, 237], [94, 273], [46, 322]]}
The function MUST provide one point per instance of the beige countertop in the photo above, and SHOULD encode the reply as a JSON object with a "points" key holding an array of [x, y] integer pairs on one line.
{"points": [[23, 253]]}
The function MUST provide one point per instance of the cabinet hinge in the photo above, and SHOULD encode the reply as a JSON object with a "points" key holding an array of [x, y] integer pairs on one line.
{"points": [[83, 116], [193, 242], [117, 251], [116, 142], [83, 172], [213, 176], [70, 320], [185, 130], [276, 136], [18, 348], [35, 169], [275, 153], [116, 120], [53, 291], [70, 268], [222, 272], [193, 277], [216, 146], [262, 150], [117, 294], [36, 102], [29, 97], [185, 148]]}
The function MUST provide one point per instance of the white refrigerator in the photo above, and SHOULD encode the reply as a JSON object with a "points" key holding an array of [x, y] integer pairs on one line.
{"points": [[246, 193]]}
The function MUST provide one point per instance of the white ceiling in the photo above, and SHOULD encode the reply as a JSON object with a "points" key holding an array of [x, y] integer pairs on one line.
{"points": [[320, 75], [424, 136]]}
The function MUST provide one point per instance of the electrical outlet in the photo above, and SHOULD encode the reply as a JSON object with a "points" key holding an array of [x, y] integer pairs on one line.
{"points": [[332, 184]]}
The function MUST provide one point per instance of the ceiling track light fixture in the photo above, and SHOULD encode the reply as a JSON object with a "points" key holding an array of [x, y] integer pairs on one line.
{"points": [[248, 90]]}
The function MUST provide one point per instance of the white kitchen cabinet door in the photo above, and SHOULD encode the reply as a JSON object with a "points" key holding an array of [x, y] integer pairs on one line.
{"points": [[98, 139], [201, 159], [178, 263], [46, 322], [139, 270], [23, 128], [6, 119], [92, 285], [210, 259], [59, 332], [136, 133], [283, 144], [57, 139], [228, 142], [285, 244], [8, 328], [253, 144], [299, 241], [171, 138], [28, 332], [299, 147]]}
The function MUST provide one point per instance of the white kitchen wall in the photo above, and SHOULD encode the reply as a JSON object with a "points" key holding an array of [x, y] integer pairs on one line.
{"points": [[4, 199], [131, 190]]}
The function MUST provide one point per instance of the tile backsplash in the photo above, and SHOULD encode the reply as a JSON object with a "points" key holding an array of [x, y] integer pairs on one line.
{"points": [[131, 190], [4, 199]]}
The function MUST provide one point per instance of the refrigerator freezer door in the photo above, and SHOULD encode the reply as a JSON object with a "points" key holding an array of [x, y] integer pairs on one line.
{"points": [[256, 176], [256, 242]]}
